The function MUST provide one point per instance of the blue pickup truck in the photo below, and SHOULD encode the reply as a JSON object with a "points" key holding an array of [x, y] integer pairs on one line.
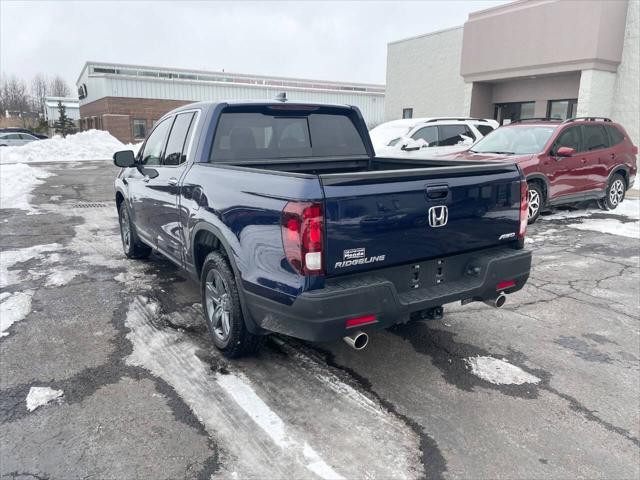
{"points": [[290, 223]]}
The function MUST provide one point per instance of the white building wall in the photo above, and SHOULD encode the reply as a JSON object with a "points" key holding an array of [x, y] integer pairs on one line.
{"points": [[423, 73], [104, 85], [626, 96], [595, 96]]}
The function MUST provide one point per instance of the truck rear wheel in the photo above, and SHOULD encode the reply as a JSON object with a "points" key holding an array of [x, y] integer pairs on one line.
{"points": [[222, 312]]}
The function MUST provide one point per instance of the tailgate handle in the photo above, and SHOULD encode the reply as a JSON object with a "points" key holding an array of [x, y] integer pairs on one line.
{"points": [[437, 191]]}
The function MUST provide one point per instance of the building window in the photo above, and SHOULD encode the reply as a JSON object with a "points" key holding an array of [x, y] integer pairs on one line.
{"points": [[407, 113], [562, 109], [506, 113], [139, 128]]}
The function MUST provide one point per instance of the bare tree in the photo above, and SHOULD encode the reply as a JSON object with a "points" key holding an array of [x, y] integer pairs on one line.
{"points": [[39, 90], [13, 94], [58, 87]]}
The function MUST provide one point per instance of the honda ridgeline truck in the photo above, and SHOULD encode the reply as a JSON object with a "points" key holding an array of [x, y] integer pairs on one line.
{"points": [[291, 224]]}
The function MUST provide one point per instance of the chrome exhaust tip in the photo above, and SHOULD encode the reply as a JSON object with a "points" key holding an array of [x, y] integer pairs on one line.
{"points": [[357, 340], [497, 302]]}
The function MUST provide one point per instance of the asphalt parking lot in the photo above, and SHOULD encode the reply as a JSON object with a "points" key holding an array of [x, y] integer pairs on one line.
{"points": [[546, 387]]}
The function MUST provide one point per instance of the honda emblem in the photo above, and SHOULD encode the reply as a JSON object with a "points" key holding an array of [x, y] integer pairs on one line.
{"points": [[438, 216]]}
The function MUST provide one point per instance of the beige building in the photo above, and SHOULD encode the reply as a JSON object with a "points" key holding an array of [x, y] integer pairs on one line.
{"points": [[528, 58]]}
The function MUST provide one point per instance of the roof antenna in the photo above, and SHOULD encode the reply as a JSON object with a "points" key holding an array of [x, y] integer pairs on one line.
{"points": [[281, 97]]}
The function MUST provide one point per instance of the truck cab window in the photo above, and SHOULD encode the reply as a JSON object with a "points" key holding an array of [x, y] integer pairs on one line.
{"points": [[152, 153], [177, 143]]}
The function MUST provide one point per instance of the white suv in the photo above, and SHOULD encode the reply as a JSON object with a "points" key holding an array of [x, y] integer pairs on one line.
{"points": [[418, 137]]}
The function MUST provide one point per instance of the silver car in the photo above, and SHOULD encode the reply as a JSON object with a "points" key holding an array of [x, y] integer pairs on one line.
{"points": [[15, 139]]}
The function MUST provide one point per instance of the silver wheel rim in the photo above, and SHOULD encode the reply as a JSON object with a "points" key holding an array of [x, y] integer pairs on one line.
{"points": [[616, 192], [534, 203], [125, 229], [218, 303]]}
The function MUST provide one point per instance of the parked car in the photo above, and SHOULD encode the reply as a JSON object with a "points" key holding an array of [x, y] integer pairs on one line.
{"points": [[16, 139], [22, 130], [292, 225], [425, 137], [565, 162]]}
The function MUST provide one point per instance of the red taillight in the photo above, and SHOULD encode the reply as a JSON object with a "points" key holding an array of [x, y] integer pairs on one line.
{"points": [[302, 236], [524, 208], [505, 285], [359, 321]]}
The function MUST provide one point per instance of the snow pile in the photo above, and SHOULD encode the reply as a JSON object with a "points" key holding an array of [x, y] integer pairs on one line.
{"points": [[39, 396], [89, 145], [629, 208], [499, 372], [16, 183]]}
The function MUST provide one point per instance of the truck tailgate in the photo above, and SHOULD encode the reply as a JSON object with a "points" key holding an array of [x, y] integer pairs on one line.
{"points": [[378, 219]]}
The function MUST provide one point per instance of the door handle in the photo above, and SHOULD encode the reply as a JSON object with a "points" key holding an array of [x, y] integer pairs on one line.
{"points": [[173, 181], [612, 156]]}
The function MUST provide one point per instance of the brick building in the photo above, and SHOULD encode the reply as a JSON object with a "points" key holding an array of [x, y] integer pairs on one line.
{"points": [[127, 100]]}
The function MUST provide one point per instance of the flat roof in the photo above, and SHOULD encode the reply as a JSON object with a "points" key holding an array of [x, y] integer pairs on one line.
{"points": [[437, 32], [147, 72]]}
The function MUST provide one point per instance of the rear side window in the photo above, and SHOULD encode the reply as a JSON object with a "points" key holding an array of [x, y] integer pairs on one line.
{"points": [[595, 137], [175, 153], [484, 129], [615, 135], [252, 136], [453, 134]]}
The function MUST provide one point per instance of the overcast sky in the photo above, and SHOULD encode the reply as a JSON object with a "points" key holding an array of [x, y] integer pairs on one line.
{"points": [[325, 40]]}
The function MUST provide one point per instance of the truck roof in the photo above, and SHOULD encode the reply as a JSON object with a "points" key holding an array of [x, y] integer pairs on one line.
{"points": [[212, 104]]}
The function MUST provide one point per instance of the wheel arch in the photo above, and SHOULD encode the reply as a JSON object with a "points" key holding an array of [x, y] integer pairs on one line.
{"points": [[207, 238], [543, 182], [622, 170]]}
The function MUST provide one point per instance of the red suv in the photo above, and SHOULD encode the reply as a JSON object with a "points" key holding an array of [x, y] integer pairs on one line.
{"points": [[564, 161]]}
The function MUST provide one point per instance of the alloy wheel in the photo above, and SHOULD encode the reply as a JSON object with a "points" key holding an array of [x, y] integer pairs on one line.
{"points": [[218, 304], [616, 193], [534, 203], [125, 229]]}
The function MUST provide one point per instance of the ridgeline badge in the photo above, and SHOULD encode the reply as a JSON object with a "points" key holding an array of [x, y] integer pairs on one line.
{"points": [[357, 256]]}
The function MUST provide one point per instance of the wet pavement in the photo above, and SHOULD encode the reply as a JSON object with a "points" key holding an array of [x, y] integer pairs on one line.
{"points": [[546, 387]]}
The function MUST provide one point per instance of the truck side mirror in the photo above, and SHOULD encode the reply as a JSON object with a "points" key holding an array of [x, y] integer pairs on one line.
{"points": [[124, 159]]}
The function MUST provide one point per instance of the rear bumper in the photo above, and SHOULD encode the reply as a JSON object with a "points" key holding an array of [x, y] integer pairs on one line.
{"points": [[320, 315]]}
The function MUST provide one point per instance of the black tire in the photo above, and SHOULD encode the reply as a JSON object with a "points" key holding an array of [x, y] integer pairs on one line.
{"points": [[536, 198], [222, 312], [131, 244], [614, 194]]}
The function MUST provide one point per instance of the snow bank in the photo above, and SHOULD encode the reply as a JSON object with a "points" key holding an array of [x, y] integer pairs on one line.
{"points": [[629, 208], [89, 145], [16, 183], [39, 396]]}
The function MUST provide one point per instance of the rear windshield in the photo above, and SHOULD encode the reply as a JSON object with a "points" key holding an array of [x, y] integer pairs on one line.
{"points": [[259, 135]]}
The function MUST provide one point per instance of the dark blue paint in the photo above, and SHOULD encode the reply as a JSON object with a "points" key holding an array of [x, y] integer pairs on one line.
{"points": [[386, 214]]}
